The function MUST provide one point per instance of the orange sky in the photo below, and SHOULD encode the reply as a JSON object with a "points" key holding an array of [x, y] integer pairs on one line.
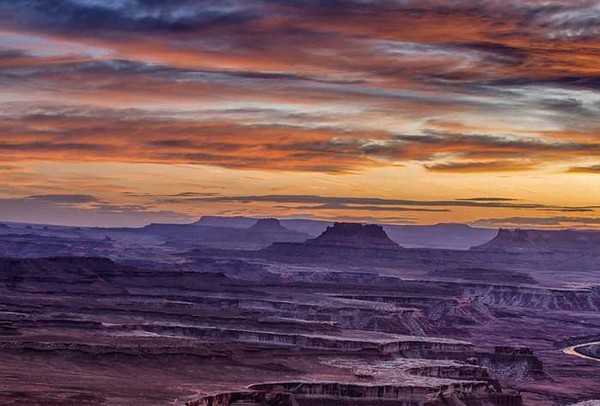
{"points": [[125, 112]]}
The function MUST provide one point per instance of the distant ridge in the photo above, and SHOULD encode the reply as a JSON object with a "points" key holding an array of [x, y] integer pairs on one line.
{"points": [[223, 221], [307, 226], [270, 225], [258, 234], [519, 240], [454, 236]]}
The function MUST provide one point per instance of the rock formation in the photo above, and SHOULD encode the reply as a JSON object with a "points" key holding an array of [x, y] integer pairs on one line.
{"points": [[270, 229], [442, 236], [543, 241], [343, 244], [268, 225], [229, 222], [346, 318], [353, 235], [261, 233]]}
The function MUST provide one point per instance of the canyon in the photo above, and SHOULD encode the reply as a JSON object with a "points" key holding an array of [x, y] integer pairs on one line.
{"points": [[137, 316]]}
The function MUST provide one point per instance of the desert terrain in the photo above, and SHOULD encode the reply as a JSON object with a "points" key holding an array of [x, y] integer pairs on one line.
{"points": [[226, 312]]}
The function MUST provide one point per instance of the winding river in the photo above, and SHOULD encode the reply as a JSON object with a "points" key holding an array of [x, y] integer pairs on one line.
{"points": [[575, 350]]}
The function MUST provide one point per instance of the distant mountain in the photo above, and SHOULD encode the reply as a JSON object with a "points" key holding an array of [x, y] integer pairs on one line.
{"points": [[270, 230], [224, 232], [310, 227], [261, 233], [270, 225], [353, 235], [445, 236], [543, 241], [229, 222]]}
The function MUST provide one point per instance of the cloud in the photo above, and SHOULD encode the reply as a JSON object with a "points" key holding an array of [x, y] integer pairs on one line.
{"points": [[593, 169], [481, 166], [339, 87], [354, 203], [543, 222], [67, 16], [369, 219], [360, 207], [129, 135], [81, 210], [488, 199], [191, 194], [65, 199], [421, 60]]}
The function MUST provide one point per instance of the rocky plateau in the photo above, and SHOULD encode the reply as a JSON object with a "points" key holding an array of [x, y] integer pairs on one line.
{"points": [[348, 317]]}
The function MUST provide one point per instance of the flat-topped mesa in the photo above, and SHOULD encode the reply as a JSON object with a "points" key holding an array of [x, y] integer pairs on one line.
{"points": [[268, 225], [354, 235]]}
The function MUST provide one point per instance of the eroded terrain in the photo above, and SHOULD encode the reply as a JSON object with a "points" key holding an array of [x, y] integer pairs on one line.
{"points": [[303, 324]]}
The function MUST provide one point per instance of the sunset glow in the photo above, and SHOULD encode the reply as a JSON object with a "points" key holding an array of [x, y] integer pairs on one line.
{"points": [[125, 112]]}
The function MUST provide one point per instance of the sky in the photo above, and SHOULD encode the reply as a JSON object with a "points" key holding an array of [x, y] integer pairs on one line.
{"points": [[124, 112]]}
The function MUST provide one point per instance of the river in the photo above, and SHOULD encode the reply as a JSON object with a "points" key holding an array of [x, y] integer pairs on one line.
{"points": [[573, 350]]}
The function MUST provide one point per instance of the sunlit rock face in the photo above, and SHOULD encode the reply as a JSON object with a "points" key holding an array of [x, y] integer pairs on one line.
{"points": [[355, 236]]}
